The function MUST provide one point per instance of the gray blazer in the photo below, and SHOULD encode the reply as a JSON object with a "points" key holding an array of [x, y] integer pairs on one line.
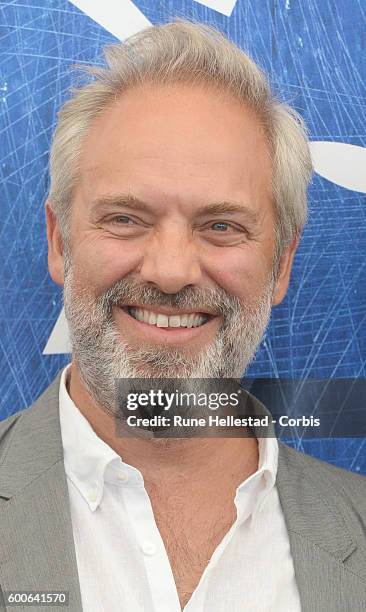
{"points": [[324, 508]]}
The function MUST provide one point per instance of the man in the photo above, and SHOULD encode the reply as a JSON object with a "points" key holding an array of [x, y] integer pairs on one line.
{"points": [[178, 195]]}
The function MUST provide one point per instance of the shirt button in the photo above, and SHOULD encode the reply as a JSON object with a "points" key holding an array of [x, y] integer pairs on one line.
{"points": [[93, 494], [122, 476], [148, 548]]}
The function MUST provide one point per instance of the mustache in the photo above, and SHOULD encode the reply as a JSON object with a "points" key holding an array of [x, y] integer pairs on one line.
{"points": [[128, 290]]}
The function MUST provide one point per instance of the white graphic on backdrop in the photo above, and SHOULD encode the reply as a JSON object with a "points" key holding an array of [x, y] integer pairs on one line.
{"points": [[221, 6], [122, 19], [58, 342], [338, 162], [109, 14]]}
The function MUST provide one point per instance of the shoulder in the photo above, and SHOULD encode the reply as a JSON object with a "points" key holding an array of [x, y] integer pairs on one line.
{"points": [[337, 487], [321, 469], [22, 426], [8, 429]]}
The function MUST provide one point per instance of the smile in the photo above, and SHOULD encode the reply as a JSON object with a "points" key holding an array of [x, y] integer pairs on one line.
{"points": [[159, 319], [166, 326]]}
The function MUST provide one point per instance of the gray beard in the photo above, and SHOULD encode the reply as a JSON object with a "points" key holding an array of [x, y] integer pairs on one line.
{"points": [[103, 356]]}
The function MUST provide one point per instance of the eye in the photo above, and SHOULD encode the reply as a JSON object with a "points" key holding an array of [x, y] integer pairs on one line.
{"points": [[224, 233], [221, 226], [225, 227], [123, 220]]}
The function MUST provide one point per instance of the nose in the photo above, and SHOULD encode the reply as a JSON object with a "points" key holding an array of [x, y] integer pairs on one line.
{"points": [[171, 261]]}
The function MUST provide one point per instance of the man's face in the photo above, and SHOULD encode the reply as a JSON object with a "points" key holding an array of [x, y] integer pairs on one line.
{"points": [[172, 224]]}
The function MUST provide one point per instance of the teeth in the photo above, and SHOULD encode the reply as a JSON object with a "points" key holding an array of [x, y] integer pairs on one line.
{"points": [[146, 316], [139, 315], [183, 320], [174, 321], [162, 320], [152, 317], [190, 322]]}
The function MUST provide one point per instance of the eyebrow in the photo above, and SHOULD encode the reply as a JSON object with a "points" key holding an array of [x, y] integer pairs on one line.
{"points": [[214, 208]]}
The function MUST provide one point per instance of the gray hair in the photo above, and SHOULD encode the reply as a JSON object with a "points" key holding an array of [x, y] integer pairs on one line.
{"points": [[191, 53]]}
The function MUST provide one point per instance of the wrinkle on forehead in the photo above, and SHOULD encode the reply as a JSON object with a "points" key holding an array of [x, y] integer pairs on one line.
{"points": [[178, 143]]}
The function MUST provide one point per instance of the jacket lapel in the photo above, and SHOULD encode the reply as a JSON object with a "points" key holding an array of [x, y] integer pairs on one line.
{"points": [[37, 549], [321, 545]]}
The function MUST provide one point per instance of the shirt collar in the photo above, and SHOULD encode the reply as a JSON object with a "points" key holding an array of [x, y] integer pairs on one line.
{"points": [[89, 461], [86, 456], [251, 494]]}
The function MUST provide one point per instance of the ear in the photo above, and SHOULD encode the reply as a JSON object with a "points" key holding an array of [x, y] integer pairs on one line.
{"points": [[55, 246], [284, 273]]}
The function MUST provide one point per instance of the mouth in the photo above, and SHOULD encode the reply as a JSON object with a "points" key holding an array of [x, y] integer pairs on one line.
{"points": [[168, 321], [168, 326]]}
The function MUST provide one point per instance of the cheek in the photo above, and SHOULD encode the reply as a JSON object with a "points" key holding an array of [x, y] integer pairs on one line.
{"points": [[103, 264], [242, 274]]}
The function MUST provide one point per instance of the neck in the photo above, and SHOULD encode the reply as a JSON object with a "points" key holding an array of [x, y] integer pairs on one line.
{"points": [[170, 461]]}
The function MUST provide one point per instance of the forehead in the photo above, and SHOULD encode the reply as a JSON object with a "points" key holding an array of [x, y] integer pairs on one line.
{"points": [[178, 141]]}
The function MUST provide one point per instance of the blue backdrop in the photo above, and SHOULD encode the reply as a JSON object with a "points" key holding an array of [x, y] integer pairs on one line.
{"points": [[314, 52]]}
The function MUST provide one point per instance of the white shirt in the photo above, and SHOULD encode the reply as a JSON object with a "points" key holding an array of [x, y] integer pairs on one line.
{"points": [[122, 562]]}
